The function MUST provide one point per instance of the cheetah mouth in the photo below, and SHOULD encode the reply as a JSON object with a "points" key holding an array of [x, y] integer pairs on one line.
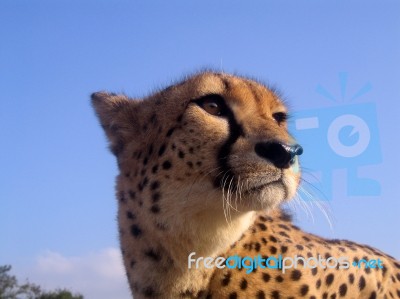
{"points": [[259, 188]]}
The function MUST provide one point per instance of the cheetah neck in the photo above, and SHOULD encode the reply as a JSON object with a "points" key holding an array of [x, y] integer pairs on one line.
{"points": [[161, 256]]}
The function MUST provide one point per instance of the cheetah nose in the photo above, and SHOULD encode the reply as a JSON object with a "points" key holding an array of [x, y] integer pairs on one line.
{"points": [[280, 154]]}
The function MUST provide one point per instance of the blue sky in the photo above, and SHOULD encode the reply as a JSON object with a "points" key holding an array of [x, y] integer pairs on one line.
{"points": [[57, 208]]}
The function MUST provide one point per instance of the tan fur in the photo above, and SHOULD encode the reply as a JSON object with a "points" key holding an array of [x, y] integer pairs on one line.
{"points": [[170, 205]]}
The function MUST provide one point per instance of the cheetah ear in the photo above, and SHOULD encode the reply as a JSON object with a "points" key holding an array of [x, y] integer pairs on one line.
{"points": [[118, 117]]}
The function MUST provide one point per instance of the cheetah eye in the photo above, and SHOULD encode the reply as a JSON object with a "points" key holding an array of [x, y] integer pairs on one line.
{"points": [[280, 117], [211, 107], [213, 104]]}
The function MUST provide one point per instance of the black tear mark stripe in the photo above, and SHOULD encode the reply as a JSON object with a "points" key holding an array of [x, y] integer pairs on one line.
{"points": [[235, 131]]}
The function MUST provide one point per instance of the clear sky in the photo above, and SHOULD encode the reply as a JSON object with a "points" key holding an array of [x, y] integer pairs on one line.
{"points": [[336, 62]]}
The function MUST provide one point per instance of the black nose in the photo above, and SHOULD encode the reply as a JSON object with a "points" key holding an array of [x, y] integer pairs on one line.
{"points": [[280, 154]]}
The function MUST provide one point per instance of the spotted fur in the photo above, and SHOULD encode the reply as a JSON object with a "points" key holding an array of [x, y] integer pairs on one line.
{"points": [[193, 177]]}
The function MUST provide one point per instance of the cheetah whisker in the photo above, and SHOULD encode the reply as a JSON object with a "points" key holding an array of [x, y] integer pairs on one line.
{"points": [[199, 178]]}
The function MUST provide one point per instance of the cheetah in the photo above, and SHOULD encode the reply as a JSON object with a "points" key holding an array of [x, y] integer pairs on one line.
{"points": [[204, 166]]}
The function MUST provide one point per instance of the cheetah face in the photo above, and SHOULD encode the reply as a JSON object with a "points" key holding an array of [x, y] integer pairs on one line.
{"points": [[249, 153], [213, 134]]}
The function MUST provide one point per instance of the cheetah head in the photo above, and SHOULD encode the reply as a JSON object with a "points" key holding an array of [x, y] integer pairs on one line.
{"points": [[211, 141]]}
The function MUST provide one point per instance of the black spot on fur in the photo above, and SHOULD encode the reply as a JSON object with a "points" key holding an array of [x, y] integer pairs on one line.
{"points": [[155, 209], [279, 278], [260, 295], [154, 169], [273, 249], [233, 295], [156, 197], [166, 165], [273, 239], [243, 284], [262, 226], [132, 194], [155, 185], [227, 278], [117, 148], [318, 284], [296, 275], [327, 255], [285, 216], [132, 263], [150, 151], [343, 290], [285, 227], [135, 230], [152, 254], [275, 295], [284, 234], [314, 271], [361, 283], [161, 150], [121, 196], [170, 131], [266, 277], [145, 182], [139, 155], [148, 292], [384, 271], [140, 187], [304, 290], [329, 279], [130, 215]]}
